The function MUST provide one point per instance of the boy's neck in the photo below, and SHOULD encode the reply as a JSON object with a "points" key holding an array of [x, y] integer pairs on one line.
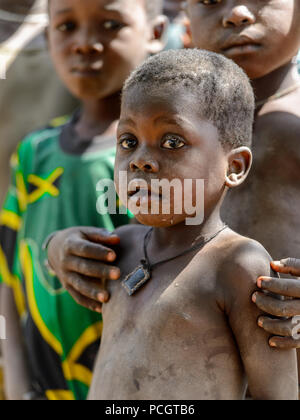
{"points": [[279, 80], [99, 117], [181, 237]]}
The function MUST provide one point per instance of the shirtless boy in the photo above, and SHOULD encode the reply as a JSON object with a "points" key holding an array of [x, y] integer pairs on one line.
{"points": [[190, 332], [263, 37], [267, 206], [94, 44]]}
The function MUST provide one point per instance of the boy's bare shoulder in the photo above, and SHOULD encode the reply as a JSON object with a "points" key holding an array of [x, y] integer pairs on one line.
{"points": [[281, 117], [278, 124], [243, 261], [242, 251], [289, 104]]}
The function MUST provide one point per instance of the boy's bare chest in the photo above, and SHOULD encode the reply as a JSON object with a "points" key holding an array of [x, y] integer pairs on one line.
{"points": [[177, 301], [170, 340]]}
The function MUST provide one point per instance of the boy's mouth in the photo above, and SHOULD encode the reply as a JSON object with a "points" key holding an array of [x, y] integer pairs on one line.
{"points": [[240, 44], [88, 69], [137, 190], [144, 193]]}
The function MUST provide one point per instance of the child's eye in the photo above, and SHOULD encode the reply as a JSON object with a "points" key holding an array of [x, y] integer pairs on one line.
{"points": [[128, 143], [173, 142], [112, 25], [210, 2], [66, 27]]}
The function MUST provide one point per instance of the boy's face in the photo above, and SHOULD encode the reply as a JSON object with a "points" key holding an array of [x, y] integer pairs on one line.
{"points": [[162, 137], [95, 44], [259, 35]]}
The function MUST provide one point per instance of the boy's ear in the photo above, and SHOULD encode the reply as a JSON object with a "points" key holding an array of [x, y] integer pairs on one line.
{"points": [[159, 34], [239, 165]]}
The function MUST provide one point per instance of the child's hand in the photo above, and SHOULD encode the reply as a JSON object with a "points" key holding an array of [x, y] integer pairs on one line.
{"points": [[287, 331], [81, 258]]}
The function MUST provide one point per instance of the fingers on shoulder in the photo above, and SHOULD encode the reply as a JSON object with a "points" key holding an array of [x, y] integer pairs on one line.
{"points": [[288, 266]]}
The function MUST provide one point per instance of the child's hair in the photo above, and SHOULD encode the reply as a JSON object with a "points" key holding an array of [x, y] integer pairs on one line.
{"points": [[154, 8], [222, 90]]}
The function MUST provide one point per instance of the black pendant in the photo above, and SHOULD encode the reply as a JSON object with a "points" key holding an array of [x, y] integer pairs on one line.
{"points": [[134, 281]]}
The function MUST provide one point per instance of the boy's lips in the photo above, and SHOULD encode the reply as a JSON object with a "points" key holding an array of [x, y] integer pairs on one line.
{"points": [[88, 70], [144, 193], [139, 190], [240, 44]]}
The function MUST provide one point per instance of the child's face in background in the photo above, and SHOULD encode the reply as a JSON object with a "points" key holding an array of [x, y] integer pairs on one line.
{"points": [[95, 44], [259, 35], [162, 137]]}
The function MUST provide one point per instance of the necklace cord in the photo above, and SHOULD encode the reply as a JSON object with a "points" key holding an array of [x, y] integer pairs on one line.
{"points": [[146, 263]]}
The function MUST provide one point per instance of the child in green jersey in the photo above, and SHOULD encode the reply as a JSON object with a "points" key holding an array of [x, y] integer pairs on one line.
{"points": [[95, 45]]}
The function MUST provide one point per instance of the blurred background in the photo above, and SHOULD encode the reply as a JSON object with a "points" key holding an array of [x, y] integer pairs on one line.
{"points": [[31, 94]]}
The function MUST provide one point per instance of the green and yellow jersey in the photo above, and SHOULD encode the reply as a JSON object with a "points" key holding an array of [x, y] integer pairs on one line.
{"points": [[54, 178]]}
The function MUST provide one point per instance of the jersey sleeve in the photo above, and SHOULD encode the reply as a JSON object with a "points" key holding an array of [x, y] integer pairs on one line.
{"points": [[11, 219]]}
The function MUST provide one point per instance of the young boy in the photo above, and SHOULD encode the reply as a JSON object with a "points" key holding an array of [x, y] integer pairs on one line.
{"points": [[262, 37], [183, 326], [95, 44]]}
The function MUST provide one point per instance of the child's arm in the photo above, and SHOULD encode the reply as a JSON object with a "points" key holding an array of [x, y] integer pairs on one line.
{"points": [[16, 374], [272, 373], [12, 299]]}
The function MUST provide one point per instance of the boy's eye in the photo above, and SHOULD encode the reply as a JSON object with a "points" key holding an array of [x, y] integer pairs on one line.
{"points": [[210, 2], [112, 25], [128, 143], [66, 27], [173, 142]]}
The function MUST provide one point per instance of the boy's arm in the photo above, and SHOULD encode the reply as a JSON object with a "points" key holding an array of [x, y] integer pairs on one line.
{"points": [[12, 302], [271, 373], [280, 126]]}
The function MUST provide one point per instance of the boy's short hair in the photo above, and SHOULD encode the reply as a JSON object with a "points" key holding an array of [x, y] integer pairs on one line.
{"points": [[222, 89], [154, 8]]}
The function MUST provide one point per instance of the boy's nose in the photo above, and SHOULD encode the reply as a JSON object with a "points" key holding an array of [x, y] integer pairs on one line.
{"points": [[88, 48], [144, 165], [238, 16]]}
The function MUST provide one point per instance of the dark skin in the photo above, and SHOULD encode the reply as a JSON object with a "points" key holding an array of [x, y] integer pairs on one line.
{"points": [[264, 27], [198, 304], [278, 28], [94, 46]]}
